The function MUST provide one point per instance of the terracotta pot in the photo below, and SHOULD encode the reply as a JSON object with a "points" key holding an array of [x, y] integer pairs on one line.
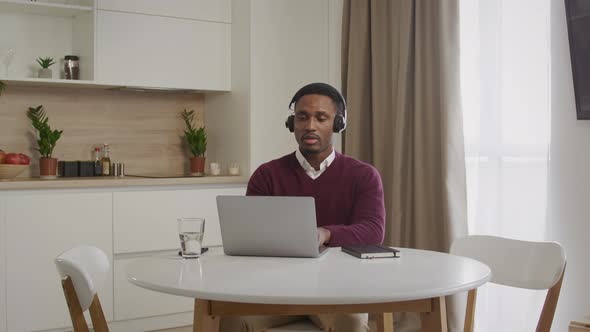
{"points": [[48, 168], [198, 166]]}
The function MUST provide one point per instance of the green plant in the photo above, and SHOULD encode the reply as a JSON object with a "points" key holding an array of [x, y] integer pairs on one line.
{"points": [[2, 87], [45, 62], [195, 138], [47, 138]]}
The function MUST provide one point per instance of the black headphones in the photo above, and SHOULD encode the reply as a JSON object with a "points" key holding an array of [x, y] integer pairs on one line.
{"points": [[339, 119]]}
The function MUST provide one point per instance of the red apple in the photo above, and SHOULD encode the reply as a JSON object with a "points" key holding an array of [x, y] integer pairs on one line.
{"points": [[24, 159], [2, 156], [12, 158]]}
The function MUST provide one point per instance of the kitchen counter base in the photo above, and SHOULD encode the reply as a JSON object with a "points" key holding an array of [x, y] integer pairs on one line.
{"points": [[109, 181]]}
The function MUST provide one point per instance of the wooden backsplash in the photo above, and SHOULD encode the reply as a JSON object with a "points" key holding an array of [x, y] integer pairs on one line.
{"points": [[143, 129]]}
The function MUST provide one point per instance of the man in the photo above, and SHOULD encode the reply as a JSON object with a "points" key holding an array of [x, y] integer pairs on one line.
{"points": [[348, 193]]}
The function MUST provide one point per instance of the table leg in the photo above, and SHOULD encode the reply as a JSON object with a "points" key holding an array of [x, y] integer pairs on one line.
{"points": [[436, 320], [203, 321], [385, 322], [470, 312]]}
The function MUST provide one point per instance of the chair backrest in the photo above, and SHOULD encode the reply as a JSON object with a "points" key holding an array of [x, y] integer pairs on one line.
{"points": [[522, 264], [82, 269]]}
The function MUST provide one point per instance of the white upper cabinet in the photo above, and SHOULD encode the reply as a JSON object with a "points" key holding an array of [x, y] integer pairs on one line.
{"points": [[32, 29], [176, 44], [206, 10], [158, 51]]}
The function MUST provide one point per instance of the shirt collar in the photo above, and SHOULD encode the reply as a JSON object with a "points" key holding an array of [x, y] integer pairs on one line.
{"points": [[308, 168]]}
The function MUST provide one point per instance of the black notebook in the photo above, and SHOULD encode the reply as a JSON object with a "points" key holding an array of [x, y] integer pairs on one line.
{"points": [[370, 251]]}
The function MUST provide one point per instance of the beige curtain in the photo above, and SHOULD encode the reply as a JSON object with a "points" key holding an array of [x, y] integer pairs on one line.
{"points": [[400, 67], [401, 80]]}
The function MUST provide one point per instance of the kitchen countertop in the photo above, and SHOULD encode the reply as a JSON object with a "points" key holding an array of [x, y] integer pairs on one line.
{"points": [[105, 182]]}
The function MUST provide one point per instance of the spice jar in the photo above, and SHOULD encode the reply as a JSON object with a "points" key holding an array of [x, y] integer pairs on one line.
{"points": [[72, 67]]}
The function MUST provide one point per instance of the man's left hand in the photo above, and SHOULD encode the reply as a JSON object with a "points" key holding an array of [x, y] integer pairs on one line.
{"points": [[324, 236]]}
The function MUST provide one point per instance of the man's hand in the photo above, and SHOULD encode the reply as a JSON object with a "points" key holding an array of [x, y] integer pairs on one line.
{"points": [[324, 236]]}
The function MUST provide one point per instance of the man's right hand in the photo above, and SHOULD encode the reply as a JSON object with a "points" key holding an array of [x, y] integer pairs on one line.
{"points": [[324, 236]]}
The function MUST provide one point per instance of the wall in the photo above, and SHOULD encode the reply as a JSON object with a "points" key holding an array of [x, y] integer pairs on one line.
{"points": [[569, 188], [229, 113], [143, 128], [290, 48], [277, 47]]}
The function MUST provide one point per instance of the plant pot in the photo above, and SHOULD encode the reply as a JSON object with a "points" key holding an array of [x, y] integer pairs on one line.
{"points": [[48, 168], [45, 73], [197, 166]]}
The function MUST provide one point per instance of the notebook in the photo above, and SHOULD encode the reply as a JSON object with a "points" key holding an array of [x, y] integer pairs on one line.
{"points": [[268, 226], [371, 251]]}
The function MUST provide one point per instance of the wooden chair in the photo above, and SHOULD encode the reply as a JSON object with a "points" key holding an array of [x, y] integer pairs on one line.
{"points": [[82, 269], [522, 264]]}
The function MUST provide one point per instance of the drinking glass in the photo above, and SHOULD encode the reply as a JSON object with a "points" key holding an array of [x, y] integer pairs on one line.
{"points": [[215, 168], [190, 232], [6, 56], [234, 168]]}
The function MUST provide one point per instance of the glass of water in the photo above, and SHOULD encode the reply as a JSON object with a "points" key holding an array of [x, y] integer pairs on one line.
{"points": [[6, 56], [190, 231]]}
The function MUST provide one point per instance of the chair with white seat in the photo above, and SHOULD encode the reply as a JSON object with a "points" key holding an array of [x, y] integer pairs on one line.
{"points": [[82, 269], [522, 264]]}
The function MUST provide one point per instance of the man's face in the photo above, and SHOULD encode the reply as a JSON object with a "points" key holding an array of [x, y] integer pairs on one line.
{"points": [[314, 119]]}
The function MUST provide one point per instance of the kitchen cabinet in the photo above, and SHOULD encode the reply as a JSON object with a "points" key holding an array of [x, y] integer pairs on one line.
{"points": [[160, 209], [46, 29], [132, 302], [145, 223], [206, 10], [158, 51], [177, 44], [38, 228], [126, 223]]}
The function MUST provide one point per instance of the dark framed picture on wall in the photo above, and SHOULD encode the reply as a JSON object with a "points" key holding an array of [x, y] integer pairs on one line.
{"points": [[578, 27]]}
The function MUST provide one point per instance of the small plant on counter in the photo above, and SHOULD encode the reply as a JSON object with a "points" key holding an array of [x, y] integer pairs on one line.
{"points": [[47, 138], [196, 140], [45, 63], [2, 87]]}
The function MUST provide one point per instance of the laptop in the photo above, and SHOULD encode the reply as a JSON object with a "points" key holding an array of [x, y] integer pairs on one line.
{"points": [[268, 226]]}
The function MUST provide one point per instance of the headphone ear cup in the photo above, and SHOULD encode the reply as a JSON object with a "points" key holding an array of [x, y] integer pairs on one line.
{"points": [[290, 123], [338, 123]]}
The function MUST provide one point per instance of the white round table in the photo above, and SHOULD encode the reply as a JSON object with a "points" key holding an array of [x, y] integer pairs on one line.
{"points": [[334, 282]]}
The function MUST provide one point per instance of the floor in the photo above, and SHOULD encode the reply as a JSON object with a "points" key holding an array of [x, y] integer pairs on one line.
{"points": [[177, 329]]}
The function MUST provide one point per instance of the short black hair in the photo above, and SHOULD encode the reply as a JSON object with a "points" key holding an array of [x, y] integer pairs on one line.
{"points": [[324, 90]]}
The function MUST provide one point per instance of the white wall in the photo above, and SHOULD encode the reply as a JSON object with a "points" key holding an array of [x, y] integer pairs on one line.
{"points": [[294, 42], [569, 188], [277, 47], [227, 114]]}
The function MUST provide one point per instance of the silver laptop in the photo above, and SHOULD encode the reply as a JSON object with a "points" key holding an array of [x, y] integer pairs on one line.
{"points": [[268, 226]]}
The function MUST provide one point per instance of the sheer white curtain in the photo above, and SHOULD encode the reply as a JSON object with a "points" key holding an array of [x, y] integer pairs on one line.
{"points": [[505, 90]]}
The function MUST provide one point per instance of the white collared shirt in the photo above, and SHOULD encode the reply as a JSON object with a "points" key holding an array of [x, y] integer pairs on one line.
{"points": [[309, 169]]}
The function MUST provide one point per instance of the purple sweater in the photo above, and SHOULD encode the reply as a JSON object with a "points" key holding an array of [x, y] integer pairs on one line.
{"points": [[348, 195]]}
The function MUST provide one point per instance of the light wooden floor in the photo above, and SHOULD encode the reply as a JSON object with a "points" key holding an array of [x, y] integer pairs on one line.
{"points": [[177, 329], [372, 327]]}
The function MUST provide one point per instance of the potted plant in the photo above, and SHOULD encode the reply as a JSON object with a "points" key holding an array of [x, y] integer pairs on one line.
{"points": [[2, 87], [45, 63], [196, 140], [46, 139]]}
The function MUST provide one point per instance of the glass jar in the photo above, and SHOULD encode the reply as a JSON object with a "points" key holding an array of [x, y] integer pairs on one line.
{"points": [[72, 67]]}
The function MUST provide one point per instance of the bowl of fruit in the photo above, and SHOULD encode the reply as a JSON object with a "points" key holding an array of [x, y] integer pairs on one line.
{"points": [[12, 164]]}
